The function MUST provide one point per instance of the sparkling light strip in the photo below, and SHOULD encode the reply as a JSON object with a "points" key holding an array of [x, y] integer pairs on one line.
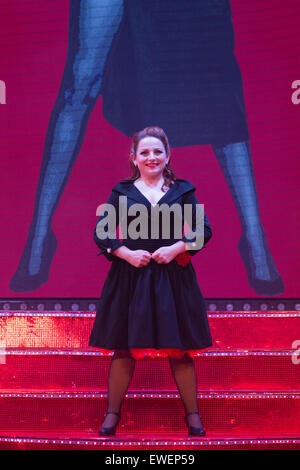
{"points": [[254, 314], [21, 313], [211, 395], [236, 314], [146, 443], [82, 352]]}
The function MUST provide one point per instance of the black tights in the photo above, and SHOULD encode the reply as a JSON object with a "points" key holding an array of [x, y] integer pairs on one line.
{"points": [[120, 374]]}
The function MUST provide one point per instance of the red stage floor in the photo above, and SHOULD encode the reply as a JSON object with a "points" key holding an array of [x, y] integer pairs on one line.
{"points": [[53, 389]]}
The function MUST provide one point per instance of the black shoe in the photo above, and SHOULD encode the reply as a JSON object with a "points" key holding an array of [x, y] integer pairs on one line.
{"points": [[22, 280], [192, 430], [260, 286], [111, 431]]}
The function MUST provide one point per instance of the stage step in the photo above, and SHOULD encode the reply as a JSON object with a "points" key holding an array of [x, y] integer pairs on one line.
{"points": [[53, 387], [56, 369], [157, 412], [71, 330], [140, 441]]}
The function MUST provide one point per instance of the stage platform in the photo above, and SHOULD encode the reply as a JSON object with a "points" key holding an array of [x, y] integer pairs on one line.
{"points": [[53, 388]]}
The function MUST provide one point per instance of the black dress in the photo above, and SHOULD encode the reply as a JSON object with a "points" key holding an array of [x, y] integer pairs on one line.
{"points": [[158, 309], [172, 64]]}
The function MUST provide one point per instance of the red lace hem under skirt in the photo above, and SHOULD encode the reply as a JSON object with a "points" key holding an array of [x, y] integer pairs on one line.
{"points": [[154, 353]]}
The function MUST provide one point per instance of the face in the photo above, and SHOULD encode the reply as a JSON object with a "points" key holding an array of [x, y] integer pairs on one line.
{"points": [[151, 157]]}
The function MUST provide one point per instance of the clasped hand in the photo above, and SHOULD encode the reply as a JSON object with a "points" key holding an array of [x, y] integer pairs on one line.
{"points": [[162, 255]]}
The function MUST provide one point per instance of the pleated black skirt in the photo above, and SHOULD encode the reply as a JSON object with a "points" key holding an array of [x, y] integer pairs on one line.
{"points": [[156, 311], [172, 64]]}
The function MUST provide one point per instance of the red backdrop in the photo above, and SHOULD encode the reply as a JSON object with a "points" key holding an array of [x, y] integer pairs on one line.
{"points": [[34, 39]]}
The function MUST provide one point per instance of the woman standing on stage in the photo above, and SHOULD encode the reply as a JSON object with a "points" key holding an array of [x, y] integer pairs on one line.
{"points": [[151, 303]]}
